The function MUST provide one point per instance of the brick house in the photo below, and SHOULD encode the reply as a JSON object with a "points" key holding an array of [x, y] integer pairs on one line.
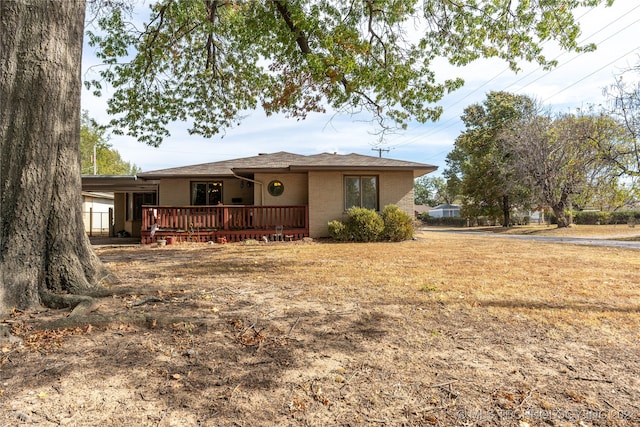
{"points": [[249, 197]]}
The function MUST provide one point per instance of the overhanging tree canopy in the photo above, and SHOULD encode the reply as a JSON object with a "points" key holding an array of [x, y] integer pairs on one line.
{"points": [[208, 62]]}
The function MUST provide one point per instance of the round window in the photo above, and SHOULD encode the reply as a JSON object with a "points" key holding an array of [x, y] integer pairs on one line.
{"points": [[275, 188]]}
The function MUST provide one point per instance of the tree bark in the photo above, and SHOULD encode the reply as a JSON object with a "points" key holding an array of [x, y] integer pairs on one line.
{"points": [[43, 246], [506, 211], [560, 210]]}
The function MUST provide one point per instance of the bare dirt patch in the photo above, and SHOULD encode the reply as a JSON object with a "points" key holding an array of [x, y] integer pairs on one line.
{"points": [[446, 330]]}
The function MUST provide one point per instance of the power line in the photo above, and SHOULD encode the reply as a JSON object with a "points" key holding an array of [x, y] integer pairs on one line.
{"points": [[581, 53], [578, 56], [591, 74], [454, 121]]}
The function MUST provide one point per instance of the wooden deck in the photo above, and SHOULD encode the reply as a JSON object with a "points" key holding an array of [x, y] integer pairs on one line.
{"points": [[223, 223]]}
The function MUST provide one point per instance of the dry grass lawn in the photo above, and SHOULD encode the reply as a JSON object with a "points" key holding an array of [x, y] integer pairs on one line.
{"points": [[449, 329]]}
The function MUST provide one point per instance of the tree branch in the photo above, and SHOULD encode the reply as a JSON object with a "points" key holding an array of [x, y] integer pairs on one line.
{"points": [[155, 34], [301, 37], [212, 10], [303, 44]]}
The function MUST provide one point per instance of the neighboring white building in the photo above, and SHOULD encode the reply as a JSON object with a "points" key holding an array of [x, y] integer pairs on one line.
{"points": [[445, 211], [97, 210]]}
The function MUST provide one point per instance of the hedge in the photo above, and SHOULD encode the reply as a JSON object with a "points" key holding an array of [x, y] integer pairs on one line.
{"points": [[446, 221], [602, 218], [366, 225]]}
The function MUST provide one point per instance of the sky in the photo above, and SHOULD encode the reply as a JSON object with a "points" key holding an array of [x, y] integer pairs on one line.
{"points": [[577, 82]]}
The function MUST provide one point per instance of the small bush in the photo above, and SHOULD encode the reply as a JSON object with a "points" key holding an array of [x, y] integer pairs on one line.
{"points": [[365, 225], [397, 224]]}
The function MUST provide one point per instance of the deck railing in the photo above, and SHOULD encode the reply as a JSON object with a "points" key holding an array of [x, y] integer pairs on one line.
{"points": [[227, 221]]}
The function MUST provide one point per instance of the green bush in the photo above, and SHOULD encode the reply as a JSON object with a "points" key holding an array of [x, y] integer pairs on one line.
{"points": [[602, 218], [625, 217], [338, 230], [397, 224], [365, 225], [591, 217]]}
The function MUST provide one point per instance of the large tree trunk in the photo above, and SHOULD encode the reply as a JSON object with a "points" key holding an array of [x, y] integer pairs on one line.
{"points": [[43, 246], [560, 209]]}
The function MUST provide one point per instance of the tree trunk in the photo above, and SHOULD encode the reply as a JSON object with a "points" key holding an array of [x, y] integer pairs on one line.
{"points": [[506, 211], [43, 246], [560, 211]]}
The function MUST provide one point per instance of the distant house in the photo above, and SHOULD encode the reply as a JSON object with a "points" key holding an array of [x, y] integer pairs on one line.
{"points": [[97, 209], [249, 197], [421, 209], [445, 211]]}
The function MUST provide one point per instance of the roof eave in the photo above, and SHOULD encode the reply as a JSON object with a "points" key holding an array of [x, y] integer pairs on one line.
{"points": [[113, 183], [417, 172]]}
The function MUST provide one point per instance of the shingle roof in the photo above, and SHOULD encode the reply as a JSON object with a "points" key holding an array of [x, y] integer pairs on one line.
{"points": [[284, 161]]}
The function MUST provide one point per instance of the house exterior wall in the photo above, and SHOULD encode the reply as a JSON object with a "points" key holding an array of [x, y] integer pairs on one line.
{"points": [[444, 213], [396, 188], [174, 192], [326, 201], [296, 189], [237, 192], [326, 190]]}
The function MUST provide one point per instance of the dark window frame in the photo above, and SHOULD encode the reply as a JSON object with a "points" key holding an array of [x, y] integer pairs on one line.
{"points": [[356, 196], [208, 199]]}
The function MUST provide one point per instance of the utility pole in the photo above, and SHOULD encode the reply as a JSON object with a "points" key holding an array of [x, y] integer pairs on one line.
{"points": [[95, 161], [380, 150]]}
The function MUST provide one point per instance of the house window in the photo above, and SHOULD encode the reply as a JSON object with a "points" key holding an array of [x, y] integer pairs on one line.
{"points": [[135, 202], [361, 191], [276, 188], [206, 193]]}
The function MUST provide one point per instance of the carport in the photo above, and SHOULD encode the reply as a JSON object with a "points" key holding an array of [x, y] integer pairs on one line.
{"points": [[130, 193]]}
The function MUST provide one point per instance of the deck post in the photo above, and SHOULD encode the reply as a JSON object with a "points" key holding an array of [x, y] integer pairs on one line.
{"points": [[225, 218]]}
